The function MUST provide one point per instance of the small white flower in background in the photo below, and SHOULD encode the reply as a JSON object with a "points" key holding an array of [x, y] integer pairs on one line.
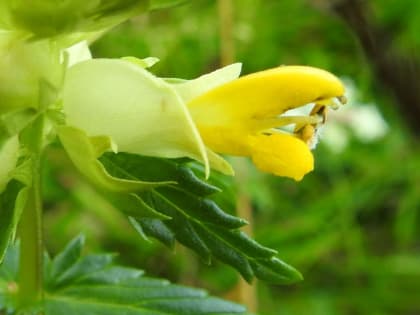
{"points": [[361, 119]]}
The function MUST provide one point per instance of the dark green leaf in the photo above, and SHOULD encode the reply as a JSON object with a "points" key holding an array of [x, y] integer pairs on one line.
{"points": [[129, 166], [225, 252], [274, 270], [179, 224], [196, 221], [134, 206], [229, 246], [202, 209], [155, 228], [84, 266]]}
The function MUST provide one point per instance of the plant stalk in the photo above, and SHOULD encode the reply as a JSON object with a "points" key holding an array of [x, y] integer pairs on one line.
{"points": [[30, 228], [227, 43]]}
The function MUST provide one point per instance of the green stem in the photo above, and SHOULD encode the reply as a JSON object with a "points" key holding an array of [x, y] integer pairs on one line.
{"points": [[31, 243]]}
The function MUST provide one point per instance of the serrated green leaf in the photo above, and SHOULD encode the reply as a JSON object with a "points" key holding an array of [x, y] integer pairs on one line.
{"points": [[155, 228], [88, 264], [225, 252], [110, 275], [188, 306], [68, 257], [203, 209], [57, 305], [275, 270], [91, 285], [196, 220], [146, 282], [160, 298], [129, 166], [227, 245], [179, 224], [226, 184], [134, 206], [130, 295], [239, 239]]}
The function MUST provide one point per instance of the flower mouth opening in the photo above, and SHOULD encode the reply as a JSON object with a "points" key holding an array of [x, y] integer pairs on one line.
{"points": [[306, 120]]}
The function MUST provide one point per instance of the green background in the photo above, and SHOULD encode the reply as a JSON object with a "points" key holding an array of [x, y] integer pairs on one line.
{"points": [[351, 227]]}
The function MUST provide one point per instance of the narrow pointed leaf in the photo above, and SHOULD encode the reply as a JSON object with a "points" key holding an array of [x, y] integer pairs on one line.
{"points": [[68, 257], [201, 208], [110, 275], [157, 229], [88, 264]]}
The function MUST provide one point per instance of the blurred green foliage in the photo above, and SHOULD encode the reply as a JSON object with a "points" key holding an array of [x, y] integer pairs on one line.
{"points": [[352, 226]]}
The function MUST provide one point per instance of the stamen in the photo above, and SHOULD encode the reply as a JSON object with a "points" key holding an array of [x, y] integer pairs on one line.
{"points": [[337, 102], [342, 99], [288, 120]]}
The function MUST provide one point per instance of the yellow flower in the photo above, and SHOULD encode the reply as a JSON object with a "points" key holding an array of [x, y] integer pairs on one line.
{"points": [[142, 114], [240, 117]]}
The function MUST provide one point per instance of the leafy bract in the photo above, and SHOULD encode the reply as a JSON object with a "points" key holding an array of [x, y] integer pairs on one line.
{"points": [[84, 151], [196, 220], [94, 285]]}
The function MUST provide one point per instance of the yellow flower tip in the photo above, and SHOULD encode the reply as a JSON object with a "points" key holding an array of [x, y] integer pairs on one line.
{"points": [[307, 80], [238, 117], [267, 93], [281, 155]]}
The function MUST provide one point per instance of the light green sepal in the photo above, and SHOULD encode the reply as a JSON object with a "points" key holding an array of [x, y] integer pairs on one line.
{"points": [[219, 164], [144, 63], [84, 152], [190, 89], [140, 112]]}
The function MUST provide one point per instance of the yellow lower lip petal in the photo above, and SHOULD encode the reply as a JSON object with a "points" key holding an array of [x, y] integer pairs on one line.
{"points": [[281, 155], [226, 140]]}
